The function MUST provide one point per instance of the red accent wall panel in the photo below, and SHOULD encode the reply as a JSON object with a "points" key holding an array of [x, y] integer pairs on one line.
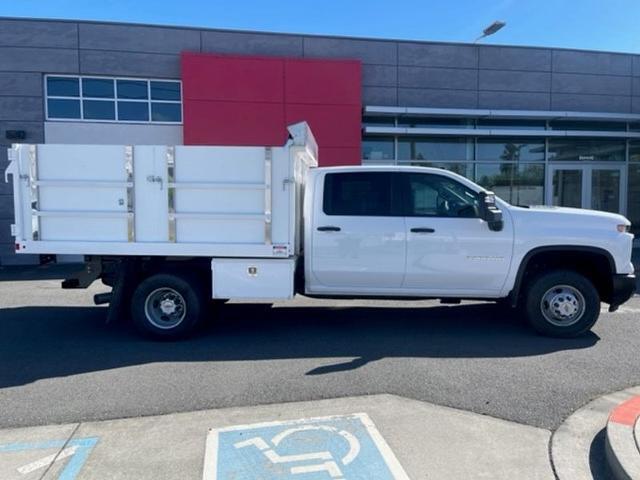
{"points": [[241, 100]]}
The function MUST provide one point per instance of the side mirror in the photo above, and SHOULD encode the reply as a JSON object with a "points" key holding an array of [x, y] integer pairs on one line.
{"points": [[490, 212]]}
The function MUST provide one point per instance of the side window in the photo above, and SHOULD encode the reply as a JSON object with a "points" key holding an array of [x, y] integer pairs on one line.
{"points": [[438, 196], [357, 194]]}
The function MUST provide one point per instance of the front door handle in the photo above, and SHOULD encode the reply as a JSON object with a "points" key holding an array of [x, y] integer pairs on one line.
{"points": [[422, 230], [328, 228]]}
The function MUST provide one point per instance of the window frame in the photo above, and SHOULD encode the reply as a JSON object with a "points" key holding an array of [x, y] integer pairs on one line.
{"points": [[395, 199], [404, 189], [81, 98]]}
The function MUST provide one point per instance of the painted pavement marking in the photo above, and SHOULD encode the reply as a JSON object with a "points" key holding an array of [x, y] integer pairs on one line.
{"points": [[77, 450], [343, 447]]}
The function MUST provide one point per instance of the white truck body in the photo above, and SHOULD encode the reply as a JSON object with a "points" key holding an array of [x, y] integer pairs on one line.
{"points": [[250, 214], [161, 200]]}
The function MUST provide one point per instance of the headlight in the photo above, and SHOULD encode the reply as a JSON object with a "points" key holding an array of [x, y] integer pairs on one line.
{"points": [[624, 228]]}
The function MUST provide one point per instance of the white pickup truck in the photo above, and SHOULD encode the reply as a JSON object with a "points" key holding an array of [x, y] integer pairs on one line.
{"points": [[170, 228]]}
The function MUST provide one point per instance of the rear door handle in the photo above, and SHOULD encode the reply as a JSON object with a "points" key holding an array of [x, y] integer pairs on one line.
{"points": [[328, 228], [422, 230]]}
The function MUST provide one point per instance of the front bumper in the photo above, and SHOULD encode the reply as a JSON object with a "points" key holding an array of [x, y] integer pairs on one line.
{"points": [[623, 288]]}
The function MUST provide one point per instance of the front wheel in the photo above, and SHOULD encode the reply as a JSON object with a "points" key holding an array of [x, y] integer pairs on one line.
{"points": [[167, 306], [562, 303]]}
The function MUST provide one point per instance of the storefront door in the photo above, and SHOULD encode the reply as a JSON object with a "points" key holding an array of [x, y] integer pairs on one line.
{"points": [[598, 187]]}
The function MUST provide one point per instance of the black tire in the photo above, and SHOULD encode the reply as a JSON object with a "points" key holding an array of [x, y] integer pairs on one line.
{"points": [[561, 303], [178, 291]]}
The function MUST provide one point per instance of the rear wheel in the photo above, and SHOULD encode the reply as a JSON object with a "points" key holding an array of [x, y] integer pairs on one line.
{"points": [[167, 306], [562, 303]]}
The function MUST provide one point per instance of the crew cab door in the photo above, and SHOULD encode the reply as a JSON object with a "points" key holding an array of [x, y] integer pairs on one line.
{"points": [[450, 250], [358, 243]]}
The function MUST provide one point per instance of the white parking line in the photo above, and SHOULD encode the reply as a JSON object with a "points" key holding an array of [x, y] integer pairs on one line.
{"points": [[46, 461]]}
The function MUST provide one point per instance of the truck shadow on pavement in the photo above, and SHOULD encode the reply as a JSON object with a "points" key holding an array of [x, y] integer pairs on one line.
{"points": [[47, 342]]}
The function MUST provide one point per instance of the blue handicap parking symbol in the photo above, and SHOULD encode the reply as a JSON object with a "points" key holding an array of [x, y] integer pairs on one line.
{"points": [[76, 451], [347, 447]]}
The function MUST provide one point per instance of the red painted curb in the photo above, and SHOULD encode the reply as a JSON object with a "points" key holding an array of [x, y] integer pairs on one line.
{"points": [[627, 412]]}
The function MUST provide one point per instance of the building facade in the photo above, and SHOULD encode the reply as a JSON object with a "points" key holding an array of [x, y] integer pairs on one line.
{"points": [[536, 125]]}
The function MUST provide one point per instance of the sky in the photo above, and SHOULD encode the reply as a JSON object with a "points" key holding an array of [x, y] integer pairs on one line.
{"points": [[611, 25]]}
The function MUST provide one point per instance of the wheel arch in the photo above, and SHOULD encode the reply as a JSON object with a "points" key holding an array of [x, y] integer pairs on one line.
{"points": [[567, 256]]}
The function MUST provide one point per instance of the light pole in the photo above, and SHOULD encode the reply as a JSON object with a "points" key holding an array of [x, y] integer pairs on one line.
{"points": [[490, 30]]}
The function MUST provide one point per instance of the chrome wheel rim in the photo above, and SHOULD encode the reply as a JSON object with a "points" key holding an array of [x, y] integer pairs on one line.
{"points": [[165, 308], [563, 305]]}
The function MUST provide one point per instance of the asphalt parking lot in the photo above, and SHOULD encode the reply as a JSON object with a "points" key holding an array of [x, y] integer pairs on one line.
{"points": [[59, 362]]}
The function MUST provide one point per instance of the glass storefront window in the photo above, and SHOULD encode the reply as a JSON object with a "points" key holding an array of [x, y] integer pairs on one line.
{"points": [[464, 169], [587, 125], [512, 124], [434, 149], [587, 150], [518, 184], [510, 149], [377, 148], [379, 122], [634, 151], [426, 122], [633, 198]]}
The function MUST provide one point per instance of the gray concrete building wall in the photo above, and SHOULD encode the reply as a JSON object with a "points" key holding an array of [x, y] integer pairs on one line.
{"points": [[395, 73]]}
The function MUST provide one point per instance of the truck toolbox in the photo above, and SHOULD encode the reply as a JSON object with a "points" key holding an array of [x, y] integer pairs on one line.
{"points": [[243, 278]]}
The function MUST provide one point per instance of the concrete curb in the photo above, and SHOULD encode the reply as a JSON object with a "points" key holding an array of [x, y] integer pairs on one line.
{"points": [[622, 451], [578, 447]]}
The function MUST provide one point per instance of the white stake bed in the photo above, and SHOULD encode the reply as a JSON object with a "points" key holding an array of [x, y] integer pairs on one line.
{"points": [[161, 200]]}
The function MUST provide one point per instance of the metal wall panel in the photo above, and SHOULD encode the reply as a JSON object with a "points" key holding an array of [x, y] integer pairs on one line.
{"points": [[432, 77], [591, 103], [437, 55], [133, 38], [252, 43], [513, 58], [367, 51], [574, 61], [514, 81], [39, 60], [99, 62], [420, 97], [22, 84], [591, 84], [379, 75], [27, 33], [27, 109], [514, 100]]}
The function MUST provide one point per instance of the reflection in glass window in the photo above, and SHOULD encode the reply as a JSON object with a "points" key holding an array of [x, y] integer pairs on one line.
{"points": [[361, 193], [464, 169], [586, 150], [97, 88], [377, 148], [425, 122], [99, 110], [518, 184], [378, 121], [132, 89], [62, 108], [166, 112], [63, 87], [95, 99], [511, 124], [510, 149], [133, 111], [633, 198], [634, 151], [438, 196], [587, 125], [165, 91], [435, 149]]}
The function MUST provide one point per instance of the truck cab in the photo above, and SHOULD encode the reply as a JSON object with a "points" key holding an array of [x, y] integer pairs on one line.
{"points": [[429, 233]]}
